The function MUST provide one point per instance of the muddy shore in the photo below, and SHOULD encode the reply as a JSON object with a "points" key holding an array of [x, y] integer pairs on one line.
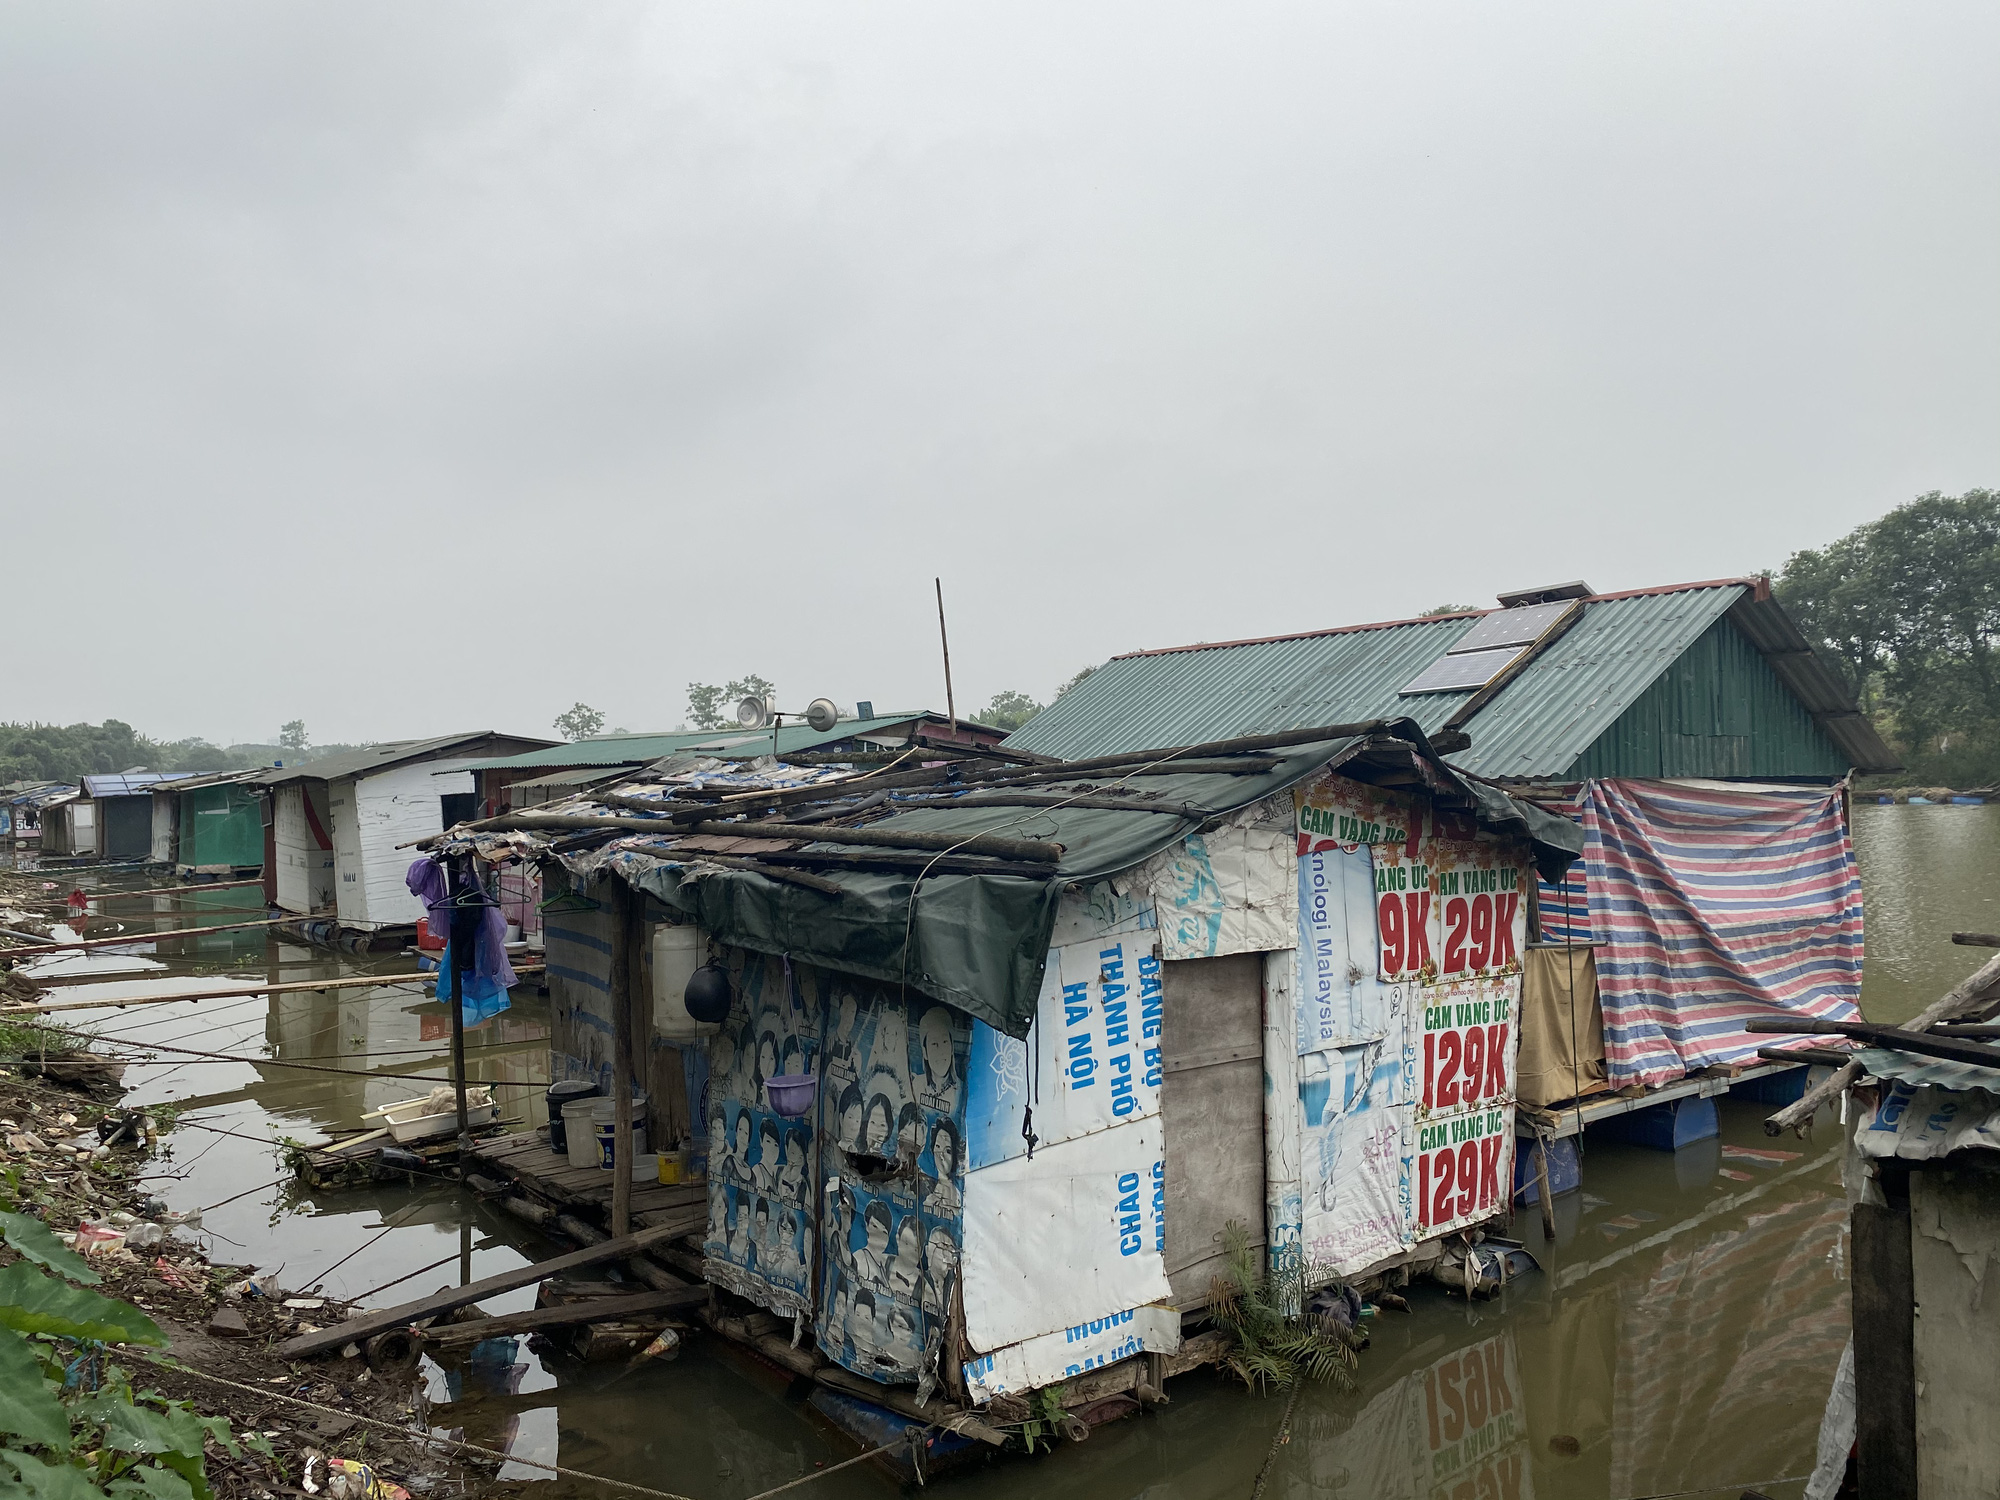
{"points": [[222, 1324]]}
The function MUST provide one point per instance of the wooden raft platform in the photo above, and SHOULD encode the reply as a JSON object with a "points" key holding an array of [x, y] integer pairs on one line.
{"points": [[1569, 1118], [524, 1158]]}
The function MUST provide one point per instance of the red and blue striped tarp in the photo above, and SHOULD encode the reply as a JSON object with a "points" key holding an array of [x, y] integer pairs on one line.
{"points": [[1712, 907]]}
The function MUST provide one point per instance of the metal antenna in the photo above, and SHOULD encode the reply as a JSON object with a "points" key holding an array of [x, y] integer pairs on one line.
{"points": [[950, 708]]}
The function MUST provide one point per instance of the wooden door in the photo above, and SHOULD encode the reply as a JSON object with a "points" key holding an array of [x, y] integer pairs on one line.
{"points": [[1212, 1107]]}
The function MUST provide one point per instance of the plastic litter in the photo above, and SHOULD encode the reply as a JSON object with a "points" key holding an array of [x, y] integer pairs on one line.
{"points": [[346, 1479]]}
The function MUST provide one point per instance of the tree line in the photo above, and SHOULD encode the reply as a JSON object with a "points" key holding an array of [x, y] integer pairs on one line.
{"points": [[68, 752], [1909, 606]]}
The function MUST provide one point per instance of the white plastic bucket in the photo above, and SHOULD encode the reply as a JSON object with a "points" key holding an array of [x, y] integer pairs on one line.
{"points": [[581, 1130], [604, 1127]]}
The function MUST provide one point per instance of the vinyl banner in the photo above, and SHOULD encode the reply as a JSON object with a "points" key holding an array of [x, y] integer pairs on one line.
{"points": [[1342, 999], [1068, 1235], [1468, 1047], [1096, 1060], [1336, 813], [1477, 909], [1463, 1169], [1073, 1351], [1404, 920], [1354, 1186]]}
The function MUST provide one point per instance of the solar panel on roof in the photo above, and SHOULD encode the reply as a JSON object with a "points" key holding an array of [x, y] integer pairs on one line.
{"points": [[1463, 670], [1511, 627]]}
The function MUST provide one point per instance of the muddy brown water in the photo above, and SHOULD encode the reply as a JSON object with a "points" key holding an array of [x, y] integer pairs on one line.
{"points": [[1679, 1339]]}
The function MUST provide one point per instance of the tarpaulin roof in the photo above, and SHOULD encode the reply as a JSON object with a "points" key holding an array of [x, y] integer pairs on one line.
{"points": [[1536, 725], [729, 742], [979, 941]]}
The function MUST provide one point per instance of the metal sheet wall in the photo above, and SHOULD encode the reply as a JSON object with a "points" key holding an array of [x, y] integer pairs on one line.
{"points": [[1718, 710]]}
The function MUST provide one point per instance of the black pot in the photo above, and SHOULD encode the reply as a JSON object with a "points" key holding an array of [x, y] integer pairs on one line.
{"points": [[707, 995]]}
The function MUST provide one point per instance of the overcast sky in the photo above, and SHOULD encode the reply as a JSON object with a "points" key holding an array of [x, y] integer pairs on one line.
{"points": [[409, 368]]}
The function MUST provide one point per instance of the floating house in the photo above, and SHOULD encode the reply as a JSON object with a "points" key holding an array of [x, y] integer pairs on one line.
{"points": [[111, 816], [1913, 1395], [1691, 731], [210, 825], [21, 809], [1013, 1050], [337, 824]]}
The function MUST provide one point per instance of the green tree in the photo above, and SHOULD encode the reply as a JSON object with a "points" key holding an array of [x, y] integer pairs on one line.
{"points": [[579, 722], [1446, 609], [1009, 710], [293, 737], [711, 707], [1075, 682], [1909, 605]]}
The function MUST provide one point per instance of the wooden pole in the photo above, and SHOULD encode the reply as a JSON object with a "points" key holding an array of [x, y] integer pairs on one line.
{"points": [[364, 982], [1970, 998], [950, 708], [173, 890], [126, 940], [1542, 1188], [621, 1065], [464, 933]]}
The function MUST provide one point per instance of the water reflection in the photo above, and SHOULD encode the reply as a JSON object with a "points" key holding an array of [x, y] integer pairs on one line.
{"points": [[1926, 872], [1681, 1334]]}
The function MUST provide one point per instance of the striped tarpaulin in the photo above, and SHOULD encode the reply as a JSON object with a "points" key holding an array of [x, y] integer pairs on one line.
{"points": [[1564, 908], [1716, 906]]}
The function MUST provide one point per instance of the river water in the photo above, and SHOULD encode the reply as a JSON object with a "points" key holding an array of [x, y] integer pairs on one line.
{"points": [[1679, 1339]]}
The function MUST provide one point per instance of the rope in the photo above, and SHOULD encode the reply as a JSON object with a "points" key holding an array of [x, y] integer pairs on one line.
{"points": [[423, 1438], [1278, 1439], [272, 1062], [427, 1439]]}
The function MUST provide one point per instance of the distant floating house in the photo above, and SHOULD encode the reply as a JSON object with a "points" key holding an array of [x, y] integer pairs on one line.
{"points": [[21, 805], [337, 824], [210, 825], [111, 816], [1690, 729]]}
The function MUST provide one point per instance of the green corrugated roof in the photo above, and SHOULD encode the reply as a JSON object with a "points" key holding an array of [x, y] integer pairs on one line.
{"points": [[642, 749], [1536, 726]]}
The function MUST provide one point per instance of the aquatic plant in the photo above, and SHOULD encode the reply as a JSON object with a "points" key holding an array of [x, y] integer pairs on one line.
{"points": [[71, 1425], [1268, 1309]]}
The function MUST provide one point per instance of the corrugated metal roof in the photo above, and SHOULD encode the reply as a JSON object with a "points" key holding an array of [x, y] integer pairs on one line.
{"points": [[1202, 693], [129, 783], [214, 778], [1565, 698], [643, 749], [1535, 726], [378, 757]]}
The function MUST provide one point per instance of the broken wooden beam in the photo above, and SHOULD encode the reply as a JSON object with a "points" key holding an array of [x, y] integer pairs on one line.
{"points": [[568, 1315], [325, 1340]]}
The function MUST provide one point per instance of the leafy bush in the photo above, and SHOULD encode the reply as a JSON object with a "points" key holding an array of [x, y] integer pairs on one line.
{"points": [[1277, 1339], [71, 1425]]}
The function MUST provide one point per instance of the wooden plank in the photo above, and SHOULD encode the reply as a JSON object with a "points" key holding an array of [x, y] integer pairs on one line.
{"points": [[370, 1324], [568, 1315], [1885, 1377]]}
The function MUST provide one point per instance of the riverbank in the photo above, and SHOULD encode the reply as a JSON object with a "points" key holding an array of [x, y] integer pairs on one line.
{"points": [[221, 1320]]}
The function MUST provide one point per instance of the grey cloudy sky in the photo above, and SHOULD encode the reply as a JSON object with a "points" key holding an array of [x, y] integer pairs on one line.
{"points": [[414, 367]]}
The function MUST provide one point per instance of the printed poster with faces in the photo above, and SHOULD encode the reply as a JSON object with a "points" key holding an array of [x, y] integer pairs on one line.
{"points": [[760, 1163], [892, 1113]]}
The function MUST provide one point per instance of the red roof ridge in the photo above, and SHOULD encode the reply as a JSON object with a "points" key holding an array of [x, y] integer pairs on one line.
{"points": [[1464, 614]]}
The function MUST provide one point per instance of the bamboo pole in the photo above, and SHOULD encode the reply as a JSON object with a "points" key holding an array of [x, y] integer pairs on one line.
{"points": [[621, 1065], [1972, 996], [126, 940], [173, 890]]}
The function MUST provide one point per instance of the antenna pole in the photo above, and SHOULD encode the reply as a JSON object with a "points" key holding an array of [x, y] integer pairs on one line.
{"points": [[950, 708]]}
